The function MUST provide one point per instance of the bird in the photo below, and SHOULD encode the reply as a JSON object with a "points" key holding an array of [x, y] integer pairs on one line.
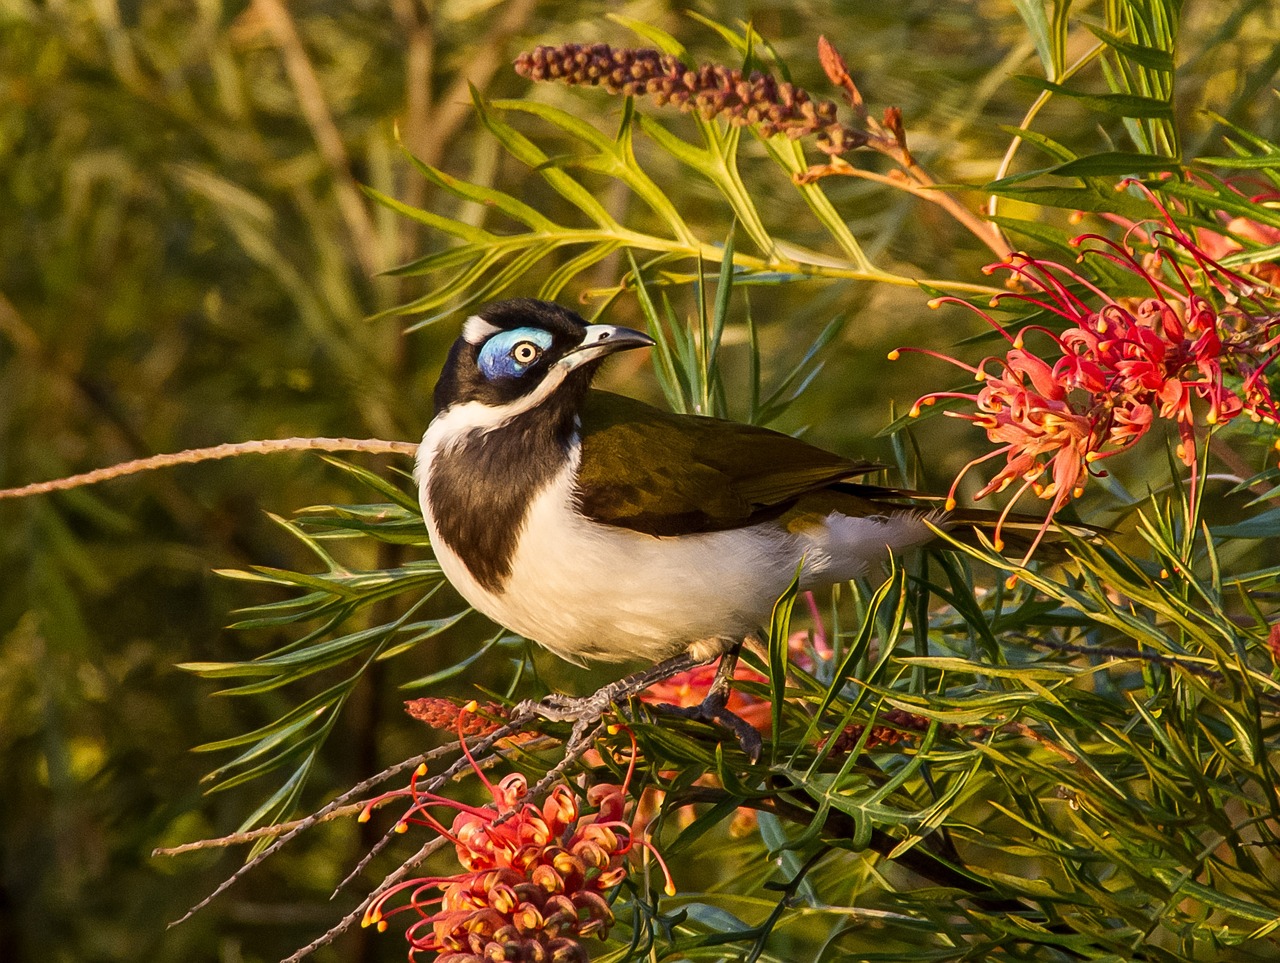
{"points": [[608, 530]]}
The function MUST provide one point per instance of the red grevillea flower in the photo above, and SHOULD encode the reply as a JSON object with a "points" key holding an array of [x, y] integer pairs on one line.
{"points": [[534, 875], [1119, 364]]}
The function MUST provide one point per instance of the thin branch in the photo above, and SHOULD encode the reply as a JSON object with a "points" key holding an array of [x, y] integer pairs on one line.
{"points": [[253, 835], [347, 921], [375, 446]]}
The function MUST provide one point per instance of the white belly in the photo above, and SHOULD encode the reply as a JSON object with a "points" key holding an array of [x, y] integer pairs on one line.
{"points": [[593, 592]]}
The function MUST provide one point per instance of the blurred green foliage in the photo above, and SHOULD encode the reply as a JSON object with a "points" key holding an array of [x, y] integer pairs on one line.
{"points": [[186, 258]]}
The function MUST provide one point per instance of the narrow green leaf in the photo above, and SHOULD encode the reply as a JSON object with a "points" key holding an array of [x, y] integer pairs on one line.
{"points": [[779, 633], [1115, 163], [655, 35], [448, 225], [1117, 105], [1036, 21], [488, 196]]}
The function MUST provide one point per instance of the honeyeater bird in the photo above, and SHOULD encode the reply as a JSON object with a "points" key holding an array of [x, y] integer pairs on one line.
{"points": [[608, 530]]}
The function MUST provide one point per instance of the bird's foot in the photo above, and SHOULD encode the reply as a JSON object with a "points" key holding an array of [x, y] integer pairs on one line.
{"points": [[715, 710], [715, 707], [587, 714]]}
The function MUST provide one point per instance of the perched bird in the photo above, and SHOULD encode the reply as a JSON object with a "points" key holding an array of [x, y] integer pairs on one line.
{"points": [[608, 530]]}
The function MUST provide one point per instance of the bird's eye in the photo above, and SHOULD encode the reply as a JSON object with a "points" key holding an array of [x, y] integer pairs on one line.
{"points": [[525, 353]]}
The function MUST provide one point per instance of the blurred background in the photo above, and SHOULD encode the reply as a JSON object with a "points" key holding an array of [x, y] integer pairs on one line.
{"points": [[186, 258]]}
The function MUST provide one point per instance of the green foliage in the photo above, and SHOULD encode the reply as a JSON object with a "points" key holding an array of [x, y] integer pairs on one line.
{"points": [[1083, 765]]}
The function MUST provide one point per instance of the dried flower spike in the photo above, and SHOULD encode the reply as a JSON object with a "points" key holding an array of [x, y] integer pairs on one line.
{"points": [[755, 100]]}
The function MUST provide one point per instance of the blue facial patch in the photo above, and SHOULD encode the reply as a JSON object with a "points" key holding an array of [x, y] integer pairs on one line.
{"points": [[508, 354]]}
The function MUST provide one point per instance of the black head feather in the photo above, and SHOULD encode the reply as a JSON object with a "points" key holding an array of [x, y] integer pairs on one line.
{"points": [[462, 379]]}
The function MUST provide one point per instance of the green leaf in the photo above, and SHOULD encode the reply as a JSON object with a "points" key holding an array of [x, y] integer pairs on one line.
{"points": [[655, 35], [448, 225], [1113, 163], [1264, 525], [779, 637], [1036, 21], [1153, 58], [1117, 105]]}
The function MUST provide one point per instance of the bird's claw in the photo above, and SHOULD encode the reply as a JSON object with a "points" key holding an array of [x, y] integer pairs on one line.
{"points": [[714, 709]]}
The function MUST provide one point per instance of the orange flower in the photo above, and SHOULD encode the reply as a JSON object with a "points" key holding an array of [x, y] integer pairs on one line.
{"points": [[1119, 364], [534, 876]]}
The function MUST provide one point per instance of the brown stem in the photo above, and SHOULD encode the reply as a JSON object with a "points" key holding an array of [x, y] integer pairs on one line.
{"points": [[192, 455]]}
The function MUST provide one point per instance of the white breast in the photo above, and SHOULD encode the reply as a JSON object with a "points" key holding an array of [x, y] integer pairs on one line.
{"points": [[594, 592]]}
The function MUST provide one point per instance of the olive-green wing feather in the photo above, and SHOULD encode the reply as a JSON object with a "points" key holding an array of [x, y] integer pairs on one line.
{"points": [[668, 474]]}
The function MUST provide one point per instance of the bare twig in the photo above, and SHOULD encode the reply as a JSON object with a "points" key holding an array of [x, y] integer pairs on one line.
{"points": [[347, 921], [375, 446], [253, 835]]}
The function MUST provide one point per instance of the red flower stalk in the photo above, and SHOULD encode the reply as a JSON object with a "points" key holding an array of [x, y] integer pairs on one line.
{"points": [[1120, 364], [534, 876]]}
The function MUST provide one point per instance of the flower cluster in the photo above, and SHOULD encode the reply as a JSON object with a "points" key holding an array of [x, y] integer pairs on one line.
{"points": [[1115, 366], [712, 90], [534, 876]]}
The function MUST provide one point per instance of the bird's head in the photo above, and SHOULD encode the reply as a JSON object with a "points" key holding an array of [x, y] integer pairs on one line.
{"points": [[516, 354]]}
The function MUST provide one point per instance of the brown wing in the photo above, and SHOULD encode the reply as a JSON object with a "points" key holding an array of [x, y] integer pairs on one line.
{"points": [[668, 474]]}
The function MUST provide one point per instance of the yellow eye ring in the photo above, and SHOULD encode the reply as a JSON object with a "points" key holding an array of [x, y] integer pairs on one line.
{"points": [[526, 352]]}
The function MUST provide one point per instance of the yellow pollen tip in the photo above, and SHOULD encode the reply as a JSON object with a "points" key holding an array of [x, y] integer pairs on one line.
{"points": [[1211, 418], [895, 354], [915, 413], [363, 817], [950, 504], [402, 827], [670, 889], [614, 729], [979, 375], [934, 302], [1017, 342], [1276, 446], [999, 544], [1091, 457], [471, 706], [382, 926], [1011, 583], [421, 770], [1164, 573]]}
